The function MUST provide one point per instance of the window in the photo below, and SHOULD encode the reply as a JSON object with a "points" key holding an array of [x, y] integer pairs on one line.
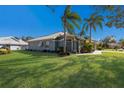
{"points": [[44, 44], [47, 43], [40, 44]]}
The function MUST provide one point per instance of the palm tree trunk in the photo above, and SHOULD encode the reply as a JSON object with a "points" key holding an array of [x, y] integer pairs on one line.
{"points": [[79, 43], [90, 34], [64, 39]]}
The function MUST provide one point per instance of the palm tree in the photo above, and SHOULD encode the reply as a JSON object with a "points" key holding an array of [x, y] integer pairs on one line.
{"points": [[69, 20], [81, 35], [92, 22]]}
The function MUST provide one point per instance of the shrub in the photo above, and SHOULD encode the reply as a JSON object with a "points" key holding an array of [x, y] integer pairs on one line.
{"points": [[99, 48], [8, 49], [60, 49], [64, 54], [88, 47], [4, 51], [116, 47]]}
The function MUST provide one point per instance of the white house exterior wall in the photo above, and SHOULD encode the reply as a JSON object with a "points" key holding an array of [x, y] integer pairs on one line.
{"points": [[37, 45], [15, 47]]}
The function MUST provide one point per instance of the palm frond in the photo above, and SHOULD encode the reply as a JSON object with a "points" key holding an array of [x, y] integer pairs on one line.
{"points": [[94, 27], [87, 20], [67, 9], [82, 33], [100, 25], [75, 23], [93, 15], [75, 16], [99, 18], [71, 31], [70, 26], [83, 29]]}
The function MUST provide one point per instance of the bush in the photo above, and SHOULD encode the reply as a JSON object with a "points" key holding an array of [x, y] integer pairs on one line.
{"points": [[116, 47], [8, 49], [88, 47], [60, 49], [99, 48], [64, 54], [4, 51], [60, 52]]}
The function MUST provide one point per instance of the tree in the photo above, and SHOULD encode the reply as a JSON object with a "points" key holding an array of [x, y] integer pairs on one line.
{"points": [[91, 23], [107, 40], [82, 36], [114, 15], [121, 41], [69, 20]]}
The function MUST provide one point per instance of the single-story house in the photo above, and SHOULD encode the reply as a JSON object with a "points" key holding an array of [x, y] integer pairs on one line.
{"points": [[54, 41], [113, 45], [13, 43]]}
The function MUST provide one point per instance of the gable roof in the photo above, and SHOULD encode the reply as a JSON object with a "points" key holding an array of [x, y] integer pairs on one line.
{"points": [[51, 36], [11, 41]]}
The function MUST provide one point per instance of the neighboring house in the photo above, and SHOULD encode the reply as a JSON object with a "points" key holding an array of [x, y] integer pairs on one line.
{"points": [[113, 45], [13, 43], [53, 42]]}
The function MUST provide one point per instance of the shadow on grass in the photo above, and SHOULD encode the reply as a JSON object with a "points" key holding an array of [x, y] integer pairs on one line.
{"points": [[108, 74], [102, 71], [36, 73]]}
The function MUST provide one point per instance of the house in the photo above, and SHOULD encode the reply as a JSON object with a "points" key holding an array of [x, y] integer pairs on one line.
{"points": [[13, 43], [53, 42], [113, 45]]}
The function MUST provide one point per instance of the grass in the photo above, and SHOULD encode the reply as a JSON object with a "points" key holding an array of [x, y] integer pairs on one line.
{"points": [[35, 69], [112, 50]]}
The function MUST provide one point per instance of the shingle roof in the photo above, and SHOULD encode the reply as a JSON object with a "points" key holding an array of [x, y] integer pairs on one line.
{"points": [[12, 41]]}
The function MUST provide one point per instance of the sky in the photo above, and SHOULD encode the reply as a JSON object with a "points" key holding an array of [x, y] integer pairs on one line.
{"points": [[37, 21]]}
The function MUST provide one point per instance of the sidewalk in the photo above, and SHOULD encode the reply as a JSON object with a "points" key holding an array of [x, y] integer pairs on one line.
{"points": [[96, 52]]}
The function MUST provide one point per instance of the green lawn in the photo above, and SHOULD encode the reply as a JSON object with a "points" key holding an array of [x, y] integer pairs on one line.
{"points": [[35, 69]]}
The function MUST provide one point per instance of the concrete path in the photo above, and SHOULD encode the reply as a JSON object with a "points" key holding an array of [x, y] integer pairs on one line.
{"points": [[96, 52]]}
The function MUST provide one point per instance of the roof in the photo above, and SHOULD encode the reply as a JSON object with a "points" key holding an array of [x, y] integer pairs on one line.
{"points": [[12, 41], [51, 36]]}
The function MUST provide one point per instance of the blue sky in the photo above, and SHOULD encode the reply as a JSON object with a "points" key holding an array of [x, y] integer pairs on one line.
{"points": [[40, 20]]}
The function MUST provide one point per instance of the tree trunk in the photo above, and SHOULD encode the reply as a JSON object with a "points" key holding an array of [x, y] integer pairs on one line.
{"points": [[90, 34], [79, 43], [64, 39]]}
